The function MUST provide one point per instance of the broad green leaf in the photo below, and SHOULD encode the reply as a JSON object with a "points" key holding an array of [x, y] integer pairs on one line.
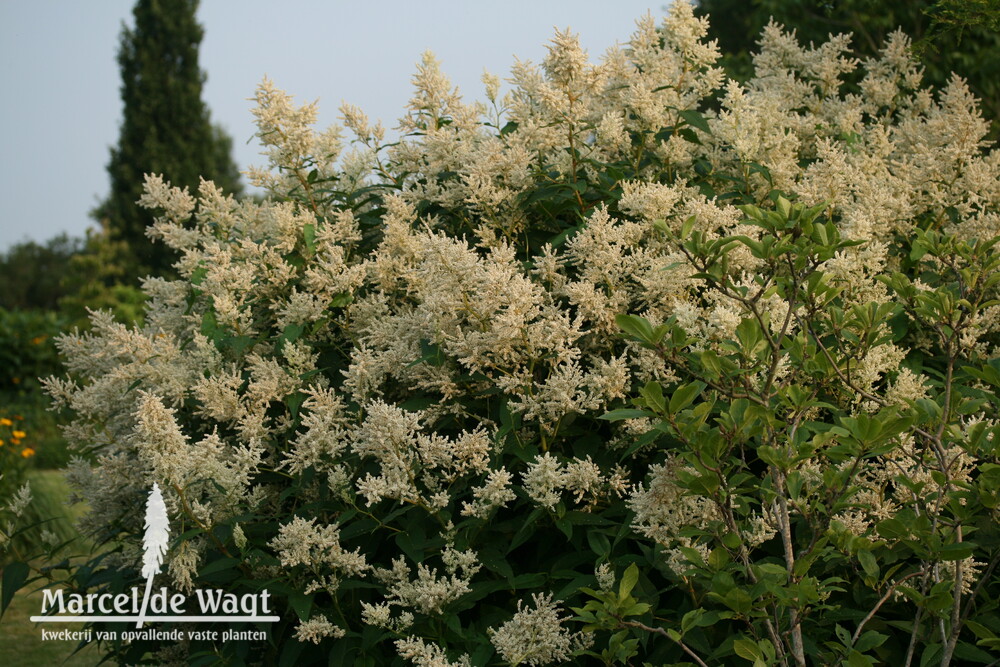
{"points": [[625, 413], [637, 327], [629, 579], [868, 563], [748, 649], [695, 119], [14, 576], [684, 395]]}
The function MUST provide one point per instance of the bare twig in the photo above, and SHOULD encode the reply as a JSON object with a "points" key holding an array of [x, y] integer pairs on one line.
{"points": [[878, 605], [661, 631]]}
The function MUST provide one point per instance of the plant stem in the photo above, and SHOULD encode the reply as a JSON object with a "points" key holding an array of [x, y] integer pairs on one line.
{"points": [[878, 605], [661, 631]]}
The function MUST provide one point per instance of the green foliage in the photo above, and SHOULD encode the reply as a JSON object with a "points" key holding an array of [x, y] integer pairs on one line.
{"points": [[101, 279], [165, 129], [27, 350], [753, 446], [31, 273], [951, 35], [43, 533], [27, 353]]}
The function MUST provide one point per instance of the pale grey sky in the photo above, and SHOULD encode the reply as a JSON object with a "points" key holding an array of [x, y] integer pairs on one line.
{"points": [[60, 79]]}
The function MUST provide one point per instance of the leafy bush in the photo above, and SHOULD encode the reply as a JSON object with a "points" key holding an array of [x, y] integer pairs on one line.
{"points": [[27, 353], [103, 278], [31, 273], [27, 350], [434, 394], [14, 453]]}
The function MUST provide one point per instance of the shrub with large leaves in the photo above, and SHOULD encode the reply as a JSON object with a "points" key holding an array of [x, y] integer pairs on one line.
{"points": [[730, 344]]}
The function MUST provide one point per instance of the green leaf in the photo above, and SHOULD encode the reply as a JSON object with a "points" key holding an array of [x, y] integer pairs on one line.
{"points": [[691, 619], [868, 563], [855, 659], [309, 236], [566, 526], [738, 600], [784, 206], [431, 354], [219, 565], [529, 580], [652, 393], [625, 413], [198, 275], [341, 300], [301, 603], [495, 562], [637, 609], [291, 333], [695, 119], [967, 653], [718, 559], [684, 395], [748, 649], [629, 580], [598, 542], [731, 540], [687, 226], [209, 325], [869, 640], [294, 402], [238, 344], [959, 551], [291, 654], [637, 327], [980, 630], [893, 529], [14, 576]]}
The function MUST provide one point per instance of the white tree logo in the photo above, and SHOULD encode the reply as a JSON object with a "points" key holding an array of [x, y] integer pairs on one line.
{"points": [[214, 604], [154, 543]]}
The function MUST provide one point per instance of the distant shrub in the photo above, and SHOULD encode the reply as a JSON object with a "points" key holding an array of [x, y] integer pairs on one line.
{"points": [[27, 350]]}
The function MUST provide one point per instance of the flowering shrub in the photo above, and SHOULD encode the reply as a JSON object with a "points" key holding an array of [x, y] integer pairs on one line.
{"points": [[26, 351], [15, 451], [710, 365]]}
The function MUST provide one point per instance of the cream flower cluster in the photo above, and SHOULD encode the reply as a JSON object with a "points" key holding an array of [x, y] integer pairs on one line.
{"points": [[536, 636]]}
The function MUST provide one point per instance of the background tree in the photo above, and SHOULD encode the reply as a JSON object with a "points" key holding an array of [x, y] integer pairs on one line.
{"points": [[31, 273], [100, 277], [949, 35], [166, 127]]}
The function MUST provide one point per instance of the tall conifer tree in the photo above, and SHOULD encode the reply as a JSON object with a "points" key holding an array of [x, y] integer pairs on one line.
{"points": [[166, 127]]}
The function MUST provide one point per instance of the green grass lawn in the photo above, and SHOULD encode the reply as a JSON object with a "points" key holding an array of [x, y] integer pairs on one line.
{"points": [[20, 639]]}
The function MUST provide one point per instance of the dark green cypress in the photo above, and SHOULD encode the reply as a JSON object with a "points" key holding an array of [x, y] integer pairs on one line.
{"points": [[166, 127]]}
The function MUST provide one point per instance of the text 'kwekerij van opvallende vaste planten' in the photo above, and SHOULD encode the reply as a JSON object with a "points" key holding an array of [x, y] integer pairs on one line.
{"points": [[629, 364]]}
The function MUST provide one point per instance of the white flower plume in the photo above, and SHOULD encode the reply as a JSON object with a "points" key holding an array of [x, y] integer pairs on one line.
{"points": [[154, 542]]}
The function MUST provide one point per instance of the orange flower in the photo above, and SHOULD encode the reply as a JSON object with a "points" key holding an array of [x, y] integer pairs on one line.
{"points": [[5, 422], [18, 434], [15, 441], [1, 443], [38, 340], [27, 452]]}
